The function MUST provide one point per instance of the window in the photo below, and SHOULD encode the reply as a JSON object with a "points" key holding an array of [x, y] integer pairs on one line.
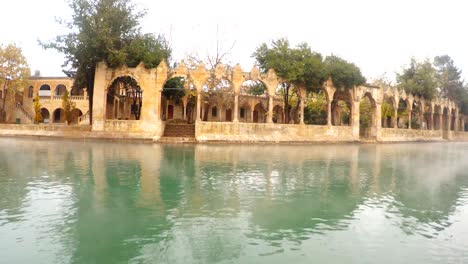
{"points": [[30, 92], [242, 113], [214, 111]]}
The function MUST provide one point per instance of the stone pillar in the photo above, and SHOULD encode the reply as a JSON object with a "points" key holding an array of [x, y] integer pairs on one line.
{"points": [[441, 125], [329, 113], [184, 105], [409, 118], [355, 107], [463, 124], [236, 107], [377, 121], [198, 106], [270, 109], [395, 117], [301, 112], [456, 122], [432, 121], [99, 97], [449, 121], [251, 115]]}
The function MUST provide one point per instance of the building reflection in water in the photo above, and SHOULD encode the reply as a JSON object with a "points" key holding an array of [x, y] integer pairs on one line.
{"points": [[207, 202]]}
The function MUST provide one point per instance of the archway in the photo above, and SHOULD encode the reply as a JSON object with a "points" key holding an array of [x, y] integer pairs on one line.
{"points": [[367, 122], [174, 99], [60, 90], [218, 97], [316, 108], [278, 114], [388, 112], [403, 114], [245, 112], [44, 90], [259, 114], [45, 115], [124, 99], [341, 108], [74, 115], [59, 115], [30, 92], [416, 115]]}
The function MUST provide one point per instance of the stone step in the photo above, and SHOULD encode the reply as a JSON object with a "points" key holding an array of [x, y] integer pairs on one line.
{"points": [[177, 140], [179, 130]]}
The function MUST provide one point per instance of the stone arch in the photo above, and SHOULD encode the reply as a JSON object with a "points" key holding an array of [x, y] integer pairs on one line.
{"points": [[45, 115], [278, 114], [388, 112], [445, 118], [316, 107], [58, 115], [44, 90], [60, 90], [245, 112], [173, 99], [367, 116], [124, 98], [341, 108], [403, 113], [259, 113], [30, 92], [74, 115], [217, 91]]}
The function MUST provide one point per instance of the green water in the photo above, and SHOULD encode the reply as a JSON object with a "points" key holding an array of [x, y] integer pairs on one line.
{"points": [[100, 202]]}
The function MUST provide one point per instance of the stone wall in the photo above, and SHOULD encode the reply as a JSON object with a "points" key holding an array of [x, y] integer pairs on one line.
{"points": [[135, 126], [264, 132], [396, 135], [459, 136]]}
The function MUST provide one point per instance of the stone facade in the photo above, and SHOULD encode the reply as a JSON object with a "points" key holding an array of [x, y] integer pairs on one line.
{"points": [[244, 117]]}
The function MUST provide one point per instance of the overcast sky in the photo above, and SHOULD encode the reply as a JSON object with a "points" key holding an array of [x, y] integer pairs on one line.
{"points": [[379, 36]]}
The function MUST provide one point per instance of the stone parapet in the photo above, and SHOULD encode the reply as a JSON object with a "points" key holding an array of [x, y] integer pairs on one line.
{"points": [[400, 135], [264, 132]]}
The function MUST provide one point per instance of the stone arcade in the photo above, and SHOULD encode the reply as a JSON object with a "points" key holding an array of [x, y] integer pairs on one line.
{"points": [[237, 116]]}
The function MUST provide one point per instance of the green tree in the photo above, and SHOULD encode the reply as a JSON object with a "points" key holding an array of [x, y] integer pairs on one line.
{"points": [[419, 78], [296, 67], [343, 73], [174, 89], [105, 30], [315, 111], [14, 72], [38, 118], [68, 106]]}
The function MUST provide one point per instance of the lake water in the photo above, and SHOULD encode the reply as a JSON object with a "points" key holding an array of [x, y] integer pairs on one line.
{"points": [[104, 202]]}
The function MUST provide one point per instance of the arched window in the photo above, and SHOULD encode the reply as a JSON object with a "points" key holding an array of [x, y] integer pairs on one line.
{"points": [[44, 90], [30, 92]]}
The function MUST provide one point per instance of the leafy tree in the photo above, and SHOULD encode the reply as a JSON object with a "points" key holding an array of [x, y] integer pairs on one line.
{"points": [[419, 78], [315, 111], [68, 106], [365, 113], [174, 89], [38, 118], [256, 88], [105, 30], [14, 71], [343, 73], [448, 77], [296, 67]]}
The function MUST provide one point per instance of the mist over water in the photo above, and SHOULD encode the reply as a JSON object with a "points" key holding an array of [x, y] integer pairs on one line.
{"points": [[104, 202]]}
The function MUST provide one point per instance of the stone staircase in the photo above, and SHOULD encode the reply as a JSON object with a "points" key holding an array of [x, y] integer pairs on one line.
{"points": [[25, 117], [175, 133]]}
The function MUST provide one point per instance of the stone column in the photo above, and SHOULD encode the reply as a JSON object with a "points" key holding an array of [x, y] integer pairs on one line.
{"points": [[236, 107], [463, 124], [270, 109], [456, 122], [329, 113], [377, 121], [158, 105], [449, 121], [251, 116], [99, 97], [301, 113], [184, 105], [409, 118], [432, 121], [395, 117], [198, 106], [355, 106], [441, 125]]}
